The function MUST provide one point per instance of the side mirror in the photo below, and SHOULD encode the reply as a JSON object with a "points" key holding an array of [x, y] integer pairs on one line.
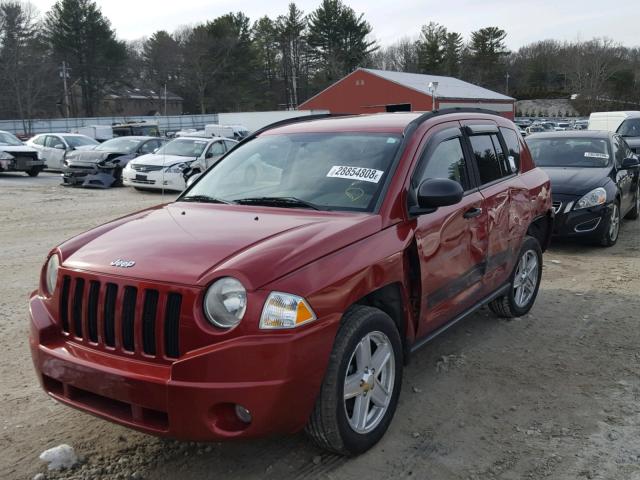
{"points": [[631, 162], [59, 146], [437, 192], [209, 155]]}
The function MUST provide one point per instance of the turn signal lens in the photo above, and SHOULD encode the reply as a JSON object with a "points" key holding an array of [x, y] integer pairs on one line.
{"points": [[283, 310], [51, 273]]}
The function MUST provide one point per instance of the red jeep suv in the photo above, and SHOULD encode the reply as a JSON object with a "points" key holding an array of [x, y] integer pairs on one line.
{"points": [[287, 286]]}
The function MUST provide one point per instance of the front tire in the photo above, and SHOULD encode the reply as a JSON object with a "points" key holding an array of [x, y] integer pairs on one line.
{"points": [[360, 390], [612, 227], [524, 282], [34, 172]]}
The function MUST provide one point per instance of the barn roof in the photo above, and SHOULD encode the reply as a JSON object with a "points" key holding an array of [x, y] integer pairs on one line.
{"points": [[448, 87]]}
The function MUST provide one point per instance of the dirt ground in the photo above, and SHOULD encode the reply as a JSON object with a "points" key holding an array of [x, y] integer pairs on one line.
{"points": [[553, 395]]}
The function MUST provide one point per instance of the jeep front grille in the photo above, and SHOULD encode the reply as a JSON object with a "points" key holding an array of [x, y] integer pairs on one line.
{"points": [[121, 318]]}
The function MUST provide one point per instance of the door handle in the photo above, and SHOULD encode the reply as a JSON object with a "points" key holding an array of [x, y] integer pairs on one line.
{"points": [[473, 213]]}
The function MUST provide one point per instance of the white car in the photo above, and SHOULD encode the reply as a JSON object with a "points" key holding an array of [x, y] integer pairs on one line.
{"points": [[53, 147], [165, 169]]}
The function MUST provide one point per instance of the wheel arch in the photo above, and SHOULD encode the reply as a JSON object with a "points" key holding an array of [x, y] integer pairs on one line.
{"points": [[541, 228]]}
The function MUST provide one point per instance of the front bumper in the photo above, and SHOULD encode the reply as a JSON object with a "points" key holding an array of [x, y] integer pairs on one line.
{"points": [[153, 180], [276, 377], [88, 175], [586, 222], [21, 164]]}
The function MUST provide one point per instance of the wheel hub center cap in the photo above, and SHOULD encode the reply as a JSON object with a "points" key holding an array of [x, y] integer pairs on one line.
{"points": [[367, 383]]}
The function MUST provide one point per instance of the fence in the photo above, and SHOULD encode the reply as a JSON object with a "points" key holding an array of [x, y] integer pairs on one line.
{"points": [[251, 120]]}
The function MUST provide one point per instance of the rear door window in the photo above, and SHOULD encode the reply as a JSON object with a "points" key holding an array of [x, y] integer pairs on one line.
{"points": [[51, 141], [512, 140], [491, 163]]}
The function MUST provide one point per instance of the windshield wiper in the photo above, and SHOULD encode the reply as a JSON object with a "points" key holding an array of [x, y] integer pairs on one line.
{"points": [[284, 202], [204, 199]]}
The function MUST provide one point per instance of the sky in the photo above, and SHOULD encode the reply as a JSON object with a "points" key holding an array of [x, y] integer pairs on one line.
{"points": [[525, 21]]}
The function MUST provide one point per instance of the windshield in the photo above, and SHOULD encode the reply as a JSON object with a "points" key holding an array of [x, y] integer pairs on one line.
{"points": [[7, 139], [570, 152], [630, 128], [74, 141], [184, 147], [123, 144], [324, 170]]}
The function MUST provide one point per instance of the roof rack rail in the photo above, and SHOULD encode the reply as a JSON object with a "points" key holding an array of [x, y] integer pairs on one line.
{"points": [[436, 113]]}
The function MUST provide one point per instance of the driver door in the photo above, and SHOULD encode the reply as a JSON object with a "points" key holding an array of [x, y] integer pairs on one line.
{"points": [[452, 241]]}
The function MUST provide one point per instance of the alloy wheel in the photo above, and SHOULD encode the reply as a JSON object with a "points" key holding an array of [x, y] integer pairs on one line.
{"points": [[614, 223], [369, 381], [526, 278]]}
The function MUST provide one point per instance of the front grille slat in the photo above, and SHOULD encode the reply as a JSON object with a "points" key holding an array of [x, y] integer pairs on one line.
{"points": [[64, 303], [171, 325], [124, 318], [149, 313], [110, 314], [78, 295], [128, 318], [92, 311]]}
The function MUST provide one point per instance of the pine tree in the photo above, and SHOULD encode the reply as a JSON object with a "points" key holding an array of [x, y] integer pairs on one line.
{"points": [[82, 36]]}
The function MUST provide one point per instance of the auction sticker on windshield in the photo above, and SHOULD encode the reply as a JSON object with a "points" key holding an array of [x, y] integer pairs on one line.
{"points": [[596, 155], [356, 173]]}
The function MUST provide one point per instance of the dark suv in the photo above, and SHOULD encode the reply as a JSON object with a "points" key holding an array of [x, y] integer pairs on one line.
{"points": [[287, 286]]}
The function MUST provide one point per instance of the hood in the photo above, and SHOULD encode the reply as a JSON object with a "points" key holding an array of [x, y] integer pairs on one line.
{"points": [[160, 160], [85, 147], [18, 149], [191, 244], [90, 156], [576, 181]]}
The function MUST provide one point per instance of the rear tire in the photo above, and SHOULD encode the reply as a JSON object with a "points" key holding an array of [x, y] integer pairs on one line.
{"points": [[634, 213], [524, 282], [356, 370]]}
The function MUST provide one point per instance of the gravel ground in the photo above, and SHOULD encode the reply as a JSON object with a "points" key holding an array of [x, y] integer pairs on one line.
{"points": [[552, 395]]}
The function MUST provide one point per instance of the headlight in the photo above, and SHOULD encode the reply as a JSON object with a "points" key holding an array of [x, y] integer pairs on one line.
{"points": [[177, 168], [597, 196], [51, 273], [225, 302], [6, 156], [283, 310]]}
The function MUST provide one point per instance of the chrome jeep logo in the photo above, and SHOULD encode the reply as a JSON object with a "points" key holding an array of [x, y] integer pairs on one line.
{"points": [[123, 263]]}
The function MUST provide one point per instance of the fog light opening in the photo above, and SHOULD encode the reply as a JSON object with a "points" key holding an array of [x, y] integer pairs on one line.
{"points": [[243, 414]]}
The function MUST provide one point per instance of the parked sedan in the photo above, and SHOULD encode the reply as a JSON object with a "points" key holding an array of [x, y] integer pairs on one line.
{"points": [[169, 167], [102, 167], [53, 147], [594, 181]]}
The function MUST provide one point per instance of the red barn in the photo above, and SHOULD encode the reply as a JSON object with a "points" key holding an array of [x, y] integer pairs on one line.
{"points": [[371, 91]]}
